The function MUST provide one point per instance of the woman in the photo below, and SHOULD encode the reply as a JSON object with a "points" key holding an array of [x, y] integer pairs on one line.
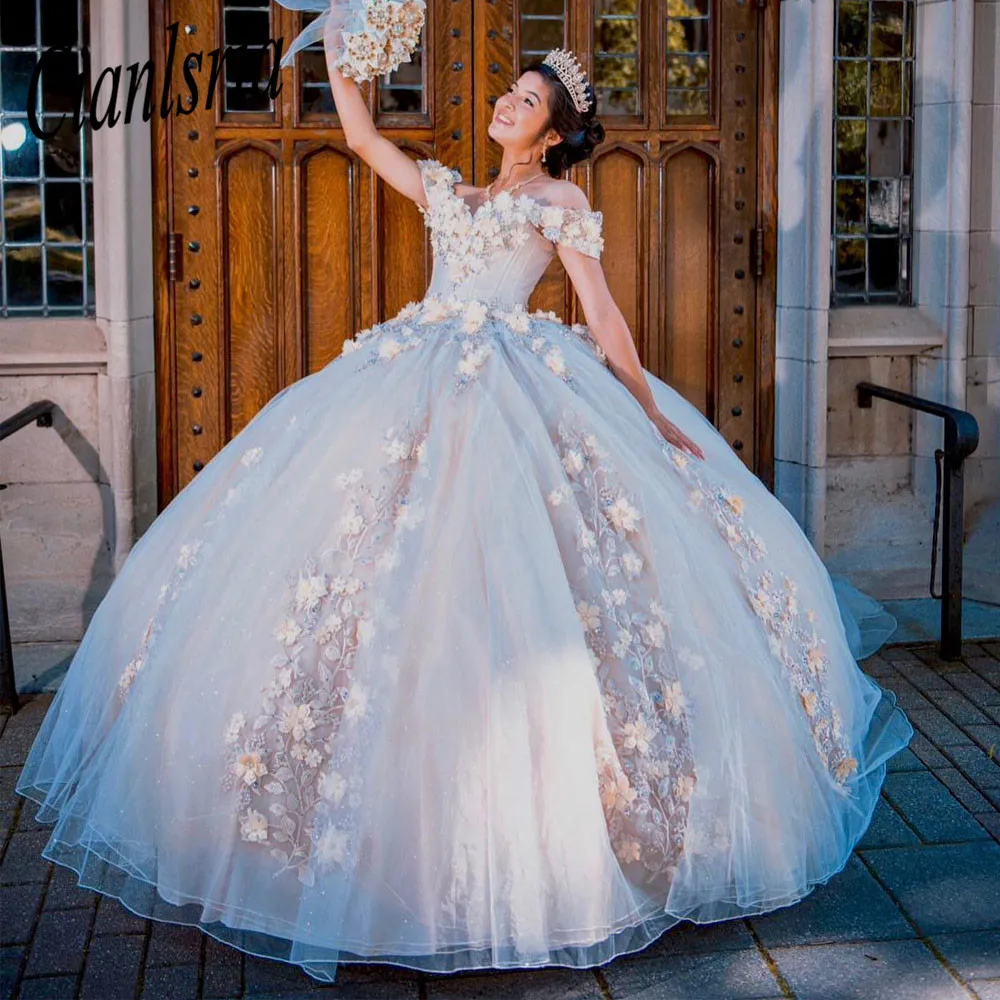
{"points": [[478, 647]]}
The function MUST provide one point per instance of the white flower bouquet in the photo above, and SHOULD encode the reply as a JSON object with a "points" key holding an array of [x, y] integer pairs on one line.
{"points": [[366, 38]]}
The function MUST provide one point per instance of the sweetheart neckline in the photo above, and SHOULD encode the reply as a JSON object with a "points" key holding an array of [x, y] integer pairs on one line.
{"points": [[474, 212]]}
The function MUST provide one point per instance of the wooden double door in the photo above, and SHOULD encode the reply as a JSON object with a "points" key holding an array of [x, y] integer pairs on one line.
{"points": [[275, 243]]}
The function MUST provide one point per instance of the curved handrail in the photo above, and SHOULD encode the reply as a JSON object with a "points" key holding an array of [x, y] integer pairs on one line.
{"points": [[961, 438]]}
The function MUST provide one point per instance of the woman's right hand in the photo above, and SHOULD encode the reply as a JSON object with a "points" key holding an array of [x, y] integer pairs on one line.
{"points": [[675, 436]]}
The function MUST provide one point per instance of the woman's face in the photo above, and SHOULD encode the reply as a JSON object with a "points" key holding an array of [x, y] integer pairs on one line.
{"points": [[521, 115]]}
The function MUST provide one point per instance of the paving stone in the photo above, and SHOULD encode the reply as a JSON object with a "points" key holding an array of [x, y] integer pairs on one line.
{"points": [[877, 667], [539, 984], [974, 687], [9, 799], [852, 906], [905, 760], [938, 728], [48, 988], [931, 809], [927, 752], [988, 737], [960, 787], [987, 668], [174, 982], [26, 821], [112, 968], [977, 766], [959, 709], [11, 963], [877, 970], [19, 733], [23, 861], [922, 677], [931, 656], [687, 937], [992, 823], [354, 979], [897, 654], [114, 918], [19, 906], [386, 982], [64, 892], [173, 944], [7, 817], [223, 971], [973, 956], [735, 975], [907, 696], [59, 943], [263, 977], [887, 829], [946, 887], [986, 990]]}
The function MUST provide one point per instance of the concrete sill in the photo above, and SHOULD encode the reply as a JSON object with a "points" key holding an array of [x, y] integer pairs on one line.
{"points": [[871, 331], [52, 346]]}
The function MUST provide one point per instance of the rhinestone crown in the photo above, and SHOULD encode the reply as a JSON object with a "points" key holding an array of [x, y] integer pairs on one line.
{"points": [[572, 76]]}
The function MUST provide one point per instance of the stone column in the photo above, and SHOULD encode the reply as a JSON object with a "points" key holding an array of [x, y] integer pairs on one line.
{"points": [[124, 278], [803, 294]]}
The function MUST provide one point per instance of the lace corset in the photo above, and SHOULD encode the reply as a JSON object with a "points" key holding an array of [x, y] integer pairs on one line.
{"points": [[498, 252]]}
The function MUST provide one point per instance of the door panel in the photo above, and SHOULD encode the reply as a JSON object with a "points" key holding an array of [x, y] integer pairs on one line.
{"points": [[286, 245], [249, 208], [327, 249]]}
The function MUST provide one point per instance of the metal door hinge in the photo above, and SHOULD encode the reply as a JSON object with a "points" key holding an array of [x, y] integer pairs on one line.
{"points": [[175, 257], [758, 251]]}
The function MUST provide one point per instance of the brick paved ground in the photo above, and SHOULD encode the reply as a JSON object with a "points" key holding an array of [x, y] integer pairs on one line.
{"points": [[915, 915]]}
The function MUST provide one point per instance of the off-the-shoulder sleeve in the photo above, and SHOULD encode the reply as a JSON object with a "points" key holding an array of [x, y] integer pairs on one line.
{"points": [[576, 228], [439, 181]]}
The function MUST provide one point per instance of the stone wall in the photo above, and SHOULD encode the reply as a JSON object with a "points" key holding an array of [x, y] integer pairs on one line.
{"points": [[984, 280], [79, 494]]}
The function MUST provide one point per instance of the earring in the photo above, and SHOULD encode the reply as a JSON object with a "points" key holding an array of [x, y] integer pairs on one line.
{"points": [[544, 151]]}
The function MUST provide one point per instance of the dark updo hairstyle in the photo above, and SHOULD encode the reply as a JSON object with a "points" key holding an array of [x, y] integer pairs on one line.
{"points": [[580, 132]]}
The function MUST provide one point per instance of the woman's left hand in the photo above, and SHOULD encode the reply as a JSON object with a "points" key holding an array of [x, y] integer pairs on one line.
{"points": [[675, 435]]}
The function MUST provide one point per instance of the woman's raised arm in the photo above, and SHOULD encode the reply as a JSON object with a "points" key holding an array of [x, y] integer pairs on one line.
{"points": [[383, 156]]}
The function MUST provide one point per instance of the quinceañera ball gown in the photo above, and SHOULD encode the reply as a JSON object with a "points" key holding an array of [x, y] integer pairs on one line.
{"points": [[449, 659]]}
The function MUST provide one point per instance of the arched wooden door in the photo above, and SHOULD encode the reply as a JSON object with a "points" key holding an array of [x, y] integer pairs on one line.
{"points": [[275, 243]]}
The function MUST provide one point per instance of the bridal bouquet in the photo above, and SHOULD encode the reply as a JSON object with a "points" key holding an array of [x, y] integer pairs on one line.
{"points": [[367, 38]]}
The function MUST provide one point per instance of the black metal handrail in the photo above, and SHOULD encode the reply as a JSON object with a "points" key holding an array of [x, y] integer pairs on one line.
{"points": [[40, 414], [961, 437]]}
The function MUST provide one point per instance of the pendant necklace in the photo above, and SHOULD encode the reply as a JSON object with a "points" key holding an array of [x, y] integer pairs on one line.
{"points": [[512, 188]]}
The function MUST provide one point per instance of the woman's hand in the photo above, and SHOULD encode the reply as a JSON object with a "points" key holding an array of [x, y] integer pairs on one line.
{"points": [[675, 435]]}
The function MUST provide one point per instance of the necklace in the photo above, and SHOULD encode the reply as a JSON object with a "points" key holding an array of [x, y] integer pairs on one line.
{"points": [[512, 188]]}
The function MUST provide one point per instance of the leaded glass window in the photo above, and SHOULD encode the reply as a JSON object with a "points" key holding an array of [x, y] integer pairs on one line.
{"points": [[689, 58], [46, 189], [873, 151], [617, 56], [246, 28], [541, 28]]}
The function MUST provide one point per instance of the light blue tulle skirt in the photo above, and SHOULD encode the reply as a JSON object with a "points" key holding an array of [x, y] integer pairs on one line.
{"points": [[450, 660]]}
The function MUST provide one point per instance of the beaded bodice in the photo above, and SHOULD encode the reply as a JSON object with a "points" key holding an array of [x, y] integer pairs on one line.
{"points": [[497, 252]]}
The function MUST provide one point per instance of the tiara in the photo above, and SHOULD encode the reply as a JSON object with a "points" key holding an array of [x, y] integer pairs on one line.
{"points": [[571, 75]]}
